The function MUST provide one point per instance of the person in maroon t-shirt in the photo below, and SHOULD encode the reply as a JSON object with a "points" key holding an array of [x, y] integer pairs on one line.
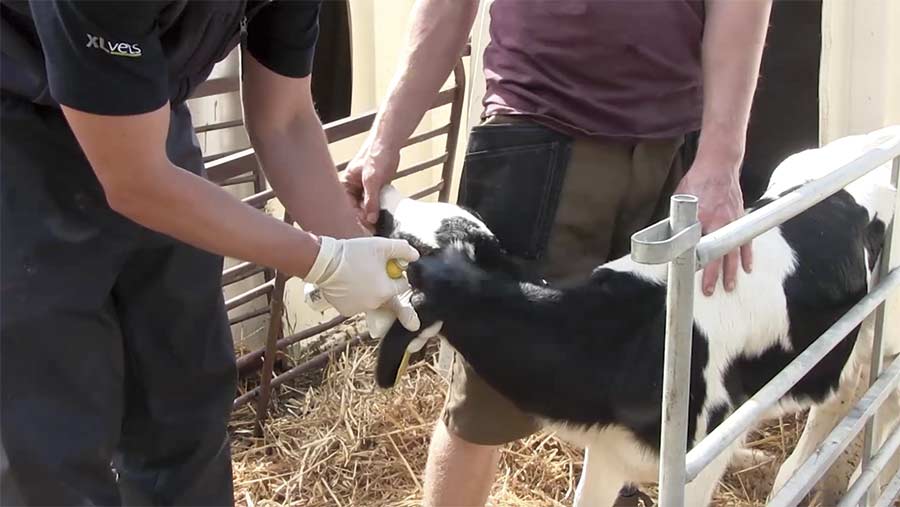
{"points": [[588, 108]]}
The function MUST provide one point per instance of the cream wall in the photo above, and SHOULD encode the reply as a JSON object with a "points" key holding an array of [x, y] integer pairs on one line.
{"points": [[860, 83], [860, 86]]}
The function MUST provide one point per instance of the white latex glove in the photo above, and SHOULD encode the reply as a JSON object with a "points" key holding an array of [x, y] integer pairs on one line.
{"points": [[380, 320], [352, 276]]}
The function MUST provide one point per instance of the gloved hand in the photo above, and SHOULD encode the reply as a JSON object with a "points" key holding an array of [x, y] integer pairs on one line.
{"points": [[352, 276], [380, 320]]}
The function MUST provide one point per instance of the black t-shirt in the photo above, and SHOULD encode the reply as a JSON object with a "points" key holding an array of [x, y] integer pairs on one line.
{"points": [[131, 57]]}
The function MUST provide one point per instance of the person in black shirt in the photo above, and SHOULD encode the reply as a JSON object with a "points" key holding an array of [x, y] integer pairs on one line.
{"points": [[118, 372]]}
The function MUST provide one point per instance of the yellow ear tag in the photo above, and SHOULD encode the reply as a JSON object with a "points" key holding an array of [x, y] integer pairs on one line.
{"points": [[402, 369], [394, 268]]}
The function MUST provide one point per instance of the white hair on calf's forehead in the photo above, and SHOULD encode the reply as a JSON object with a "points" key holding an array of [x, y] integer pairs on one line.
{"points": [[423, 219], [465, 247], [391, 199]]}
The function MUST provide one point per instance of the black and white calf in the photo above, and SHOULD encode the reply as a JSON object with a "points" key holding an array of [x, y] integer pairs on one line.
{"points": [[432, 228], [587, 358]]}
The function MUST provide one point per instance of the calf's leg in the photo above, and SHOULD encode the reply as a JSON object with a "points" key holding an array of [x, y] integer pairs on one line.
{"points": [[601, 479]]}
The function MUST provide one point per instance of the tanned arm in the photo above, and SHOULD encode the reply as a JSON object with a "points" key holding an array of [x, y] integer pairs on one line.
{"points": [[438, 32], [289, 141], [733, 43], [129, 157]]}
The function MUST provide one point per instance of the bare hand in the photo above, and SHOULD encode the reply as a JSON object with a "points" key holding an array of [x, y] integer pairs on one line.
{"points": [[369, 171], [721, 202]]}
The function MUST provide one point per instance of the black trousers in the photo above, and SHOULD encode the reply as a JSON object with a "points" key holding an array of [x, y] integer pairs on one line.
{"points": [[117, 369]]}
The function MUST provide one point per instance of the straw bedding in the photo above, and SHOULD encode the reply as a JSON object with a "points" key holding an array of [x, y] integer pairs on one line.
{"points": [[335, 439]]}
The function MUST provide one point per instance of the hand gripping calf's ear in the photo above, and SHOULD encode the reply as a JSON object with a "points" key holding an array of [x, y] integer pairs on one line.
{"points": [[313, 296]]}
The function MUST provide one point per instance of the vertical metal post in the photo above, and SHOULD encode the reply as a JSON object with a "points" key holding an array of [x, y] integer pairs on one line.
{"points": [[276, 309], [677, 362], [887, 262]]}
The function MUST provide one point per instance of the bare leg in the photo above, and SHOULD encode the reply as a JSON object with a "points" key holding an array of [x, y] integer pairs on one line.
{"points": [[600, 481], [458, 473]]}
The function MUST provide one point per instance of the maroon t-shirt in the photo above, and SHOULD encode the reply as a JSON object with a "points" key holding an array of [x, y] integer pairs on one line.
{"points": [[617, 69]]}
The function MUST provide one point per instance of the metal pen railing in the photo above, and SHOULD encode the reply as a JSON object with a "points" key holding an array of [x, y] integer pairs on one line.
{"points": [[677, 241]]}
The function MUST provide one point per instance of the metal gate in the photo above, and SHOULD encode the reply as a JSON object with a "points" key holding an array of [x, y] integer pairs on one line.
{"points": [[677, 241]]}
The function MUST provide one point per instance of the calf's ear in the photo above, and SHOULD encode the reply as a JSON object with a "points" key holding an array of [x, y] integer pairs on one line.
{"points": [[392, 355], [385, 225]]}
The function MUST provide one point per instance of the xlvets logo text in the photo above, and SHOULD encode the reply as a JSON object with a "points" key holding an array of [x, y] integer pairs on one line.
{"points": [[114, 48]]}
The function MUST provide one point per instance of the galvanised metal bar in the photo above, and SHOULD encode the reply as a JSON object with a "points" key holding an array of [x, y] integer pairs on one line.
{"points": [[677, 362], [718, 243], [656, 244], [887, 263], [871, 471], [751, 410], [840, 437], [890, 493]]}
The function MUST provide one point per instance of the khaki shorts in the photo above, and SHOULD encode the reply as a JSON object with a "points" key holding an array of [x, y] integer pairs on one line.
{"points": [[563, 206]]}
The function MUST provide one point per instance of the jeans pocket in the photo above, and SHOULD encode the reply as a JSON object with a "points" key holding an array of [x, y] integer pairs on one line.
{"points": [[512, 178]]}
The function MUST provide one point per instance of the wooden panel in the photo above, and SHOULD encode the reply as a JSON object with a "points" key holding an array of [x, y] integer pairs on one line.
{"points": [[428, 191], [240, 272], [219, 126], [248, 315], [421, 166], [247, 360], [259, 200], [349, 127], [231, 166], [217, 156], [217, 86], [424, 136], [250, 295], [244, 161], [444, 98], [459, 81], [239, 180]]}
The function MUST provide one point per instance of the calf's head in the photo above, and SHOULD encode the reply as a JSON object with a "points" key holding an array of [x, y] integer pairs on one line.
{"points": [[440, 282], [432, 228]]}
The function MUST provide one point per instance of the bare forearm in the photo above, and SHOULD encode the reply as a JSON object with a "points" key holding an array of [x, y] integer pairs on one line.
{"points": [[198, 212], [733, 41], [437, 34], [297, 162], [732, 49], [128, 155]]}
